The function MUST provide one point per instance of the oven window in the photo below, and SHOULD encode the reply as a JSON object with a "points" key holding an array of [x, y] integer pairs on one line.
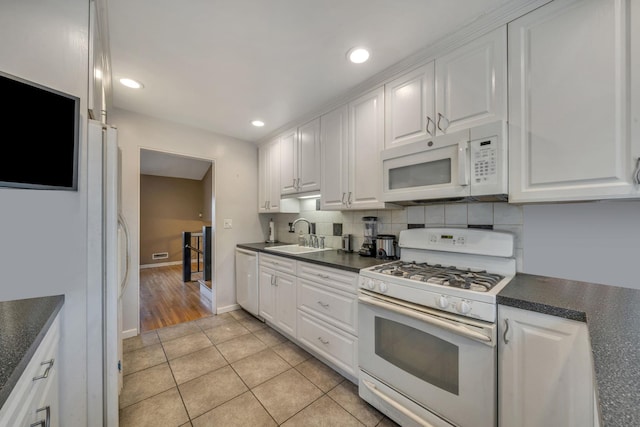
{"points": [[418, 353], [420, 175]]}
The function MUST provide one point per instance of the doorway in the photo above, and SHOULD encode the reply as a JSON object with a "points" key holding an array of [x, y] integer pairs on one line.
{"points": [[177, 196]]}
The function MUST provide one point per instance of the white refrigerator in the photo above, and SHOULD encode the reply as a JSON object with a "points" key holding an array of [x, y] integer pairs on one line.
{"points": [[108, 264]]}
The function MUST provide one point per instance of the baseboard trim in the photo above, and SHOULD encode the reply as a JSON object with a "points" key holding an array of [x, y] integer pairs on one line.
{"points": [[129, 333], [232, 307]]}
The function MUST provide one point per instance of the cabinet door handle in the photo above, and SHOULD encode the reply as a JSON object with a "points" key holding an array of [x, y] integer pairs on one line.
{"points": [[446, 123], [47, 418], [506, 329], [349, 200], [429, 121], [636, 172], [325, 342], [272, 277], [275, 280], [298, 184], [323, 304], [342, 200], [46, 371]]}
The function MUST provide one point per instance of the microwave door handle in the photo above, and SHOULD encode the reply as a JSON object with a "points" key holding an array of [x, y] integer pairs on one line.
{"points": [[463, 163]]}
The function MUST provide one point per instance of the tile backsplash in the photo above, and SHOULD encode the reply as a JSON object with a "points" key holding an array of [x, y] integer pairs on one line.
{"points": [[502, 216]]}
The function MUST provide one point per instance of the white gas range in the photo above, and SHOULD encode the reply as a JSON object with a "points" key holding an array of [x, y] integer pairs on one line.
{"points": [[427, 341]]}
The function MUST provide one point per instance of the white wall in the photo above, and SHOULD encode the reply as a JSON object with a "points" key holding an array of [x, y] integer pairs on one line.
{"points": [[236, 194], [595, 242], [43, 237]]}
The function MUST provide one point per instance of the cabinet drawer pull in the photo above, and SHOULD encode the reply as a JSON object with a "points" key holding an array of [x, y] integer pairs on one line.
{"points": [[506, 329], [429, 121], [47, 418], [446, 122], [324, 276], [46, 371], [323, 304], [325, 342]]}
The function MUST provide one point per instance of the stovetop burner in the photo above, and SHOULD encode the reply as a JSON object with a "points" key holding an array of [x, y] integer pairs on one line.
{"points": [[479, 280]]}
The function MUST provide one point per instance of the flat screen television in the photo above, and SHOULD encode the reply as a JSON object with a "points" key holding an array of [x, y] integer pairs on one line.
{"points": [[38, 151]]}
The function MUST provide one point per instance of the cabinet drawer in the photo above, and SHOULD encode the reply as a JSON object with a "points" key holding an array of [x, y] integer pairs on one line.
{"points": [[279, 263], [21, 405], [331, 305], [345, 280], [334, 345]]}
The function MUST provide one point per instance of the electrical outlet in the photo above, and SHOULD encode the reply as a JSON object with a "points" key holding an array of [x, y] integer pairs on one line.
{"points": [[228, 223]]}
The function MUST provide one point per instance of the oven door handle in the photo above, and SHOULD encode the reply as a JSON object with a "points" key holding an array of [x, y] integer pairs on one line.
{"points": [[373, 389], [456, 328]]}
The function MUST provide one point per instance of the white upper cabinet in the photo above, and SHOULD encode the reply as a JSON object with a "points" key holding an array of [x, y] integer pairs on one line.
{"points": [[300, 159], [334, 159], [463, 88], [410, 107], [471, 84], [269, 180], [573, 103], [352, 138]]}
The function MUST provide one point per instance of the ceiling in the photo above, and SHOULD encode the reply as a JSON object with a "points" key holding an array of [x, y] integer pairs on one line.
{"points": [[218, 64], [172, 165]]}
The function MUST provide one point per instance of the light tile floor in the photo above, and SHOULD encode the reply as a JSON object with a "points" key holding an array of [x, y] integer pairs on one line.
{"points": [[233, 370]]}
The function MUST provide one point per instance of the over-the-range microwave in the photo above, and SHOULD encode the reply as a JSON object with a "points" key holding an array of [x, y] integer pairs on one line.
{"points": [[469, 165]]}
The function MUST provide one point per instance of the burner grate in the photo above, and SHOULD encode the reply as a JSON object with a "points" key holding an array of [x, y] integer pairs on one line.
{"points": [[478, 281]]}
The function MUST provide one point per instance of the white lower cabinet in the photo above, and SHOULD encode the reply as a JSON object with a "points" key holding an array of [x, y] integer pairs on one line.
{"points": [[34, 399], [277, 288], [545, 371], [327, 315]]}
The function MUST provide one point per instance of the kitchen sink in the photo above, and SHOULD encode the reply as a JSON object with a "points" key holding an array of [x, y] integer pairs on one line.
{"points": [[295, 249]]}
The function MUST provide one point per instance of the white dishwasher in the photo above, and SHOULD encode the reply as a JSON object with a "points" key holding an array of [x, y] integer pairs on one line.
{"points": [[247, 280]]}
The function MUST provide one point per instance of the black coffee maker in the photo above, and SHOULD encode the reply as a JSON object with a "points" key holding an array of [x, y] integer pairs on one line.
{"points": [[370, 233]]}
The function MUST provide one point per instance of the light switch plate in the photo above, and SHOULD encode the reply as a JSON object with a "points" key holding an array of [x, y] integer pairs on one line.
{"points": [[228, 223]]}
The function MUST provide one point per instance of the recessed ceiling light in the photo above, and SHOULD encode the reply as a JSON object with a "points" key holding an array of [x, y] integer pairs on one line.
{"points": [[358, 55], [131, 83], [257, 123]]}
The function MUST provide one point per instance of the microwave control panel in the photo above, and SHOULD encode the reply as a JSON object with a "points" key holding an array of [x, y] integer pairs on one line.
{"points": [[484, 161]]}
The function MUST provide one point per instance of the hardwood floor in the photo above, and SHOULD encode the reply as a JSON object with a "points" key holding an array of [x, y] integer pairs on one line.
{"points": [[165, 300]]}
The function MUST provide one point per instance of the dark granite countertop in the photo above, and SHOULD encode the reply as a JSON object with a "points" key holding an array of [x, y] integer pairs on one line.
{"points": [[612, 315], [23, 324], [331, 258]]}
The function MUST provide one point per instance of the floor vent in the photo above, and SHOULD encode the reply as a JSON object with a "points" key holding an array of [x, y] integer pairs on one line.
{"points": [[160, 255]]}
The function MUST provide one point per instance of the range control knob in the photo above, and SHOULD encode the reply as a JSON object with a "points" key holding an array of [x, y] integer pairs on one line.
{"points": [[463, 307], [383, 287], [370, 284], [442, 301]]}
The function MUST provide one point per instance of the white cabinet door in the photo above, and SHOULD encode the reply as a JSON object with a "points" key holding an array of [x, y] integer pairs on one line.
{"points": [[267, 277], [471, 84], [288, 162], [285, 286], [409, 107], [544, 370], [278, 299], [309, 157], [366, 140], [569, 119], [263, 178], [334, 160]]}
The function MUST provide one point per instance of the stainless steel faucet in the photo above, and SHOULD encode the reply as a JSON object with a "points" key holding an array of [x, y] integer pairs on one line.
{"points": [[311, 229]]}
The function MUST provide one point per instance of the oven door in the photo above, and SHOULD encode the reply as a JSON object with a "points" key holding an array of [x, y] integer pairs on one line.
{"points": [[447, 367], [433, 169]]}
